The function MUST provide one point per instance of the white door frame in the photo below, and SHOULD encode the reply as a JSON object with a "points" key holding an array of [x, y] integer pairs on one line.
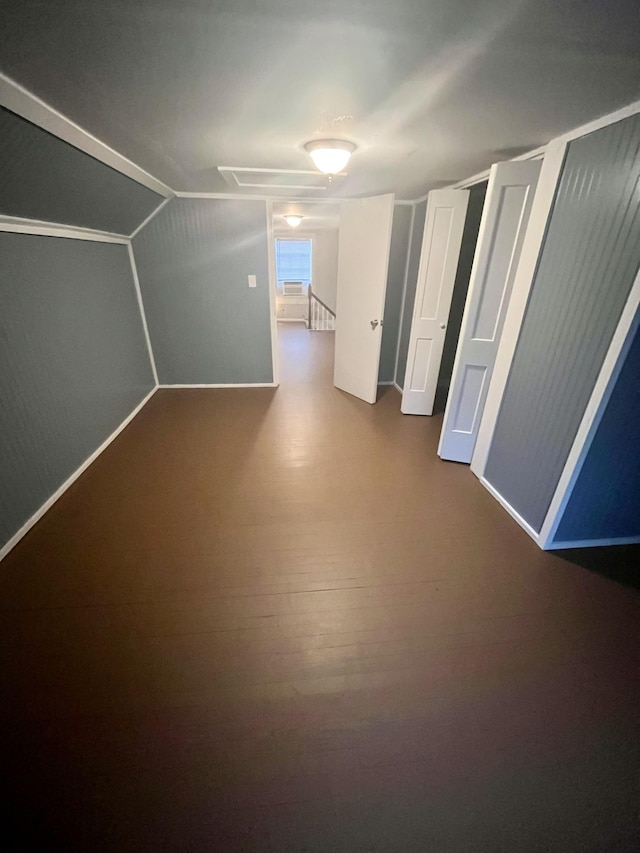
{"points": [[534, 237], [273, 292]]}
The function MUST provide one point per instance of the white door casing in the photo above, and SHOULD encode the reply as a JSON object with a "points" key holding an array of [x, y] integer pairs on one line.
{"points": [[363, 261], [504, 221], [525, 271], [444, 224]]}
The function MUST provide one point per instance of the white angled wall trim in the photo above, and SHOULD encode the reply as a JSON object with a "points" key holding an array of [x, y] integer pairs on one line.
{"points": [[15, 225], [153, 213], [532, 244], [24, 103], [512, 512], [224, 385], [596, 406], [136, 281], [26, 527]]}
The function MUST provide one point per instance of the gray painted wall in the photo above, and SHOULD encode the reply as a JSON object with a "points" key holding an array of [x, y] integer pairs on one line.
{"points": [[395, 283], [412, 283], [206, 325], [74, 362], [605, 502], [43, 177], [590, 257]]}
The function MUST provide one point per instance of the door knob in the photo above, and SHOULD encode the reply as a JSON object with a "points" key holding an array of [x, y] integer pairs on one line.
{"points": [[374, 323], [443, 325]]}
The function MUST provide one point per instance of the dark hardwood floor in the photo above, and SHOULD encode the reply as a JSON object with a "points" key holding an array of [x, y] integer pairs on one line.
{"points": [[274, 620]]}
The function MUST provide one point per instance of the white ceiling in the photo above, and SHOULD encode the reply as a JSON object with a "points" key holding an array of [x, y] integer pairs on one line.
{"points": [[436, 89], [315, 216]]}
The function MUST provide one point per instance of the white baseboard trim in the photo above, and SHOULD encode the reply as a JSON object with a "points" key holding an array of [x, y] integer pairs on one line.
{"points": [[26, 527], [397, 387], [592, 543], [389, 382], [226, 385], [512, 512], [291, 320]]}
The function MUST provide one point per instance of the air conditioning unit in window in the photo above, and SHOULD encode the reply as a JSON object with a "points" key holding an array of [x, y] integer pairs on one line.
{"points": [[292, 288]]}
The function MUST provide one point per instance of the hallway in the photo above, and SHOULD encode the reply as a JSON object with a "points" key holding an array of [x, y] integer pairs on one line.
{"points": [[273, 620]]}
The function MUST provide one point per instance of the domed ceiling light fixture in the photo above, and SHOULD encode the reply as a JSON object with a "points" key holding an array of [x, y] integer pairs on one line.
{"points": [[330, 155], [293, 219]]}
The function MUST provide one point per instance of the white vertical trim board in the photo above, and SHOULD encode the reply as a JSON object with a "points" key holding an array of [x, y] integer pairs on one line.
{"points": [[512, 512], [404, 293], [136, 282], [596, 406], [17, 225], [153, 213], [24, 103], [531, 247], [26, 527], [273, 296]]}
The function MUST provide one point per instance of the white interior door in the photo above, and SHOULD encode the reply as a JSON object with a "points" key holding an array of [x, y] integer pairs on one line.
{"points": [[443, 227], [502, 229], [363, 261]]}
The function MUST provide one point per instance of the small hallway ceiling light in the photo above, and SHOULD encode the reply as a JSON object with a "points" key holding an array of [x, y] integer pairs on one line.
{"points": [[330, 155], [293, 219]]}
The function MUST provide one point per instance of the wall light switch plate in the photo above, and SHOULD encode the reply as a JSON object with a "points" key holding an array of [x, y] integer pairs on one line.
{"points": [[252, 280]]}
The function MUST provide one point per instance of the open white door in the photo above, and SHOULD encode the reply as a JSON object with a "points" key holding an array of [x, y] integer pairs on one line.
{"points": [[363, 260], [504, 222], [443, 227]]}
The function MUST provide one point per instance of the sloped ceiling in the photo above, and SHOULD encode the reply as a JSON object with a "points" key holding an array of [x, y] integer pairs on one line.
{"points": [[430, 90]]}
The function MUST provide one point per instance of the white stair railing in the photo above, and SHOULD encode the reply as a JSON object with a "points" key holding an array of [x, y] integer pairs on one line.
{"points": [[320, 317]]}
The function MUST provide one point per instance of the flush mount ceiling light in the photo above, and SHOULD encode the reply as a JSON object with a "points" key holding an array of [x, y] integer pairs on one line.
{"points": [[330, 155], [293, 219]]}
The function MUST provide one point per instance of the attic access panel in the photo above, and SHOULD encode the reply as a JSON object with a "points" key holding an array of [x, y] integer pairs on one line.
{"points": [[241, 177]]}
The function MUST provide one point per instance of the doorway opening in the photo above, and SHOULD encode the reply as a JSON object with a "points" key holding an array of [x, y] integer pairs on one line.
{"points": [[306, 277]]}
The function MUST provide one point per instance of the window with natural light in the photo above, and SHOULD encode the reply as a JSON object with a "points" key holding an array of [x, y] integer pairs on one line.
{"points": [[293, 261]]}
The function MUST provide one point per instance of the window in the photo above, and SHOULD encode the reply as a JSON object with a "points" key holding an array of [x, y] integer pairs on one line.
{"points": [[293, 261]]}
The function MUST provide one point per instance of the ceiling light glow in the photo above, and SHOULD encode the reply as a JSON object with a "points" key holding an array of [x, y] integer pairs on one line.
{"points": [[330, 155], [293, 219]]}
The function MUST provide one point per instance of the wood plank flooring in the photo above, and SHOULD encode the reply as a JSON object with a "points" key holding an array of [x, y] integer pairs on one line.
{"points": [[274, 620]]}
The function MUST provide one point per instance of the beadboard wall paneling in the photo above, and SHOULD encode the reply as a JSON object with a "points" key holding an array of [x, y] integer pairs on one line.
{"points": [[207, 326], [587, 265], [74, 362]]}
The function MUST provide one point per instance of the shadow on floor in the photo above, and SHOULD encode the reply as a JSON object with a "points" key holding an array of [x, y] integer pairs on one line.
{"points": [[620, 563]]}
